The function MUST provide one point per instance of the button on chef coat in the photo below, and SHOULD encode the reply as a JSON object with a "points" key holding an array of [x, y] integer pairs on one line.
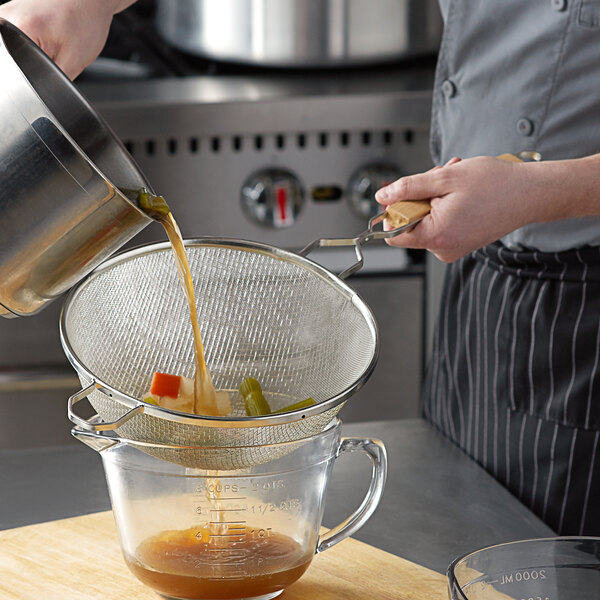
{"points": [[517, 75]]}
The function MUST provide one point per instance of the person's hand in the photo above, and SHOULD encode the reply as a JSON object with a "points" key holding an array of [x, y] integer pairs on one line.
{"points": [[478, 200], [70, 32]]}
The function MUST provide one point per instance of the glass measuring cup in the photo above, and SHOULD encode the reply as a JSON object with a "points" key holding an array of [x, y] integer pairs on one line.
{"points": [[197, 534], [562, 568]]}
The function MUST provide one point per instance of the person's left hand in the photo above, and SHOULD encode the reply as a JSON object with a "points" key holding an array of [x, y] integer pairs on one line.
{"points": [[473, 202]]}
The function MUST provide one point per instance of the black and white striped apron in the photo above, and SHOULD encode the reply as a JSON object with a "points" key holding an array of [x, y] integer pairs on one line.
{"points": [[514, 378]]}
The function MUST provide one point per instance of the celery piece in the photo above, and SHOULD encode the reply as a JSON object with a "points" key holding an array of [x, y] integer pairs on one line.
{"points": [[248, 386], [256, 404], [296, 406]]}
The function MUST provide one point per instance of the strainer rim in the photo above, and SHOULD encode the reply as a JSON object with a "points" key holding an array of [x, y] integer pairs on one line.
{"points": [[214, 421], [333, 426]]}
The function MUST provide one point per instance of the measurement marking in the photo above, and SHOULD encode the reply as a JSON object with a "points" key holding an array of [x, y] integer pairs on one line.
{"points": [[226, 510], [227, 523], [220, 498], [212, 535]]}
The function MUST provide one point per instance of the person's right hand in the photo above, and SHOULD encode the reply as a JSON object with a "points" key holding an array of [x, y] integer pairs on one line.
{"points": [[478, 200], [71, 32]]}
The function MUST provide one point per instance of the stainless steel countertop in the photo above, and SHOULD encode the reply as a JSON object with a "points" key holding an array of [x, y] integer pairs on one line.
{"points": [[437, 505]]}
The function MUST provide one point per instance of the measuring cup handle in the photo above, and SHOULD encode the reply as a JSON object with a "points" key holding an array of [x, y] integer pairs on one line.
{"points": [[375, 450]]}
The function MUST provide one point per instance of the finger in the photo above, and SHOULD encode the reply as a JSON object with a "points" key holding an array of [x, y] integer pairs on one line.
{"points": [[453, 161], [421, 237], [69, 64], [418, 237], [413, 187], [426, 236]]}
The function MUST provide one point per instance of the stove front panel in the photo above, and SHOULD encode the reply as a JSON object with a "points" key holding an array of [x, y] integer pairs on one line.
{"points": [[200, 154]]}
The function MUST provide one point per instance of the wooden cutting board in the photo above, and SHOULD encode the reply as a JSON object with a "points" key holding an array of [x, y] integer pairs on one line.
{"points": [[80, 558]]}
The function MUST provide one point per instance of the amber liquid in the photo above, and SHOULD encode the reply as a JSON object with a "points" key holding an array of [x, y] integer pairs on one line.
{"points": [[205, 398], [193, 564]]}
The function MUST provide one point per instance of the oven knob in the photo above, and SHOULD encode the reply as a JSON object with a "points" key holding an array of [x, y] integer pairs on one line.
{"points": [[364, 183], [273, 197]]}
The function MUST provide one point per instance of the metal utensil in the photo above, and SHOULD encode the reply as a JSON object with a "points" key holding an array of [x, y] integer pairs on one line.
{"points": [[61, 168], [264, 313], [403, 216]]}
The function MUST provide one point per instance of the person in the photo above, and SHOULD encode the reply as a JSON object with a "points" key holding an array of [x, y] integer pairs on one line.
{"points": [[514, 372], [71, 32], [514, 376]]}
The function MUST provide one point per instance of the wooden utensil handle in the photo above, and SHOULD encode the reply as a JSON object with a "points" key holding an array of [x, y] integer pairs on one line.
{"points": [[411, 211], [406, 212]]}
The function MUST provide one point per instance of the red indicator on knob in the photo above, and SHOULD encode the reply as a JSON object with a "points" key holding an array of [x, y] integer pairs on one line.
{"points": [[272, 197], [282, 213]]}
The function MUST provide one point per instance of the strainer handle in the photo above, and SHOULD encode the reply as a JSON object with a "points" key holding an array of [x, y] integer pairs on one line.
{"points": [[367, 236], [375, 450], [403, 216], [94, 425]]}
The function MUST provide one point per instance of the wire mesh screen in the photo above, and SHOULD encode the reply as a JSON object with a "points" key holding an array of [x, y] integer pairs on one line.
{"points": [[297, 331]]}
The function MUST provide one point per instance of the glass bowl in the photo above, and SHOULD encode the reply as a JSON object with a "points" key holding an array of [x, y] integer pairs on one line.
{"points": [[561, 568]]}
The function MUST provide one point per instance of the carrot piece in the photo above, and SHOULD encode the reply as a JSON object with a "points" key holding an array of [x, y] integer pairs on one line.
{"points": [[164, 384]]}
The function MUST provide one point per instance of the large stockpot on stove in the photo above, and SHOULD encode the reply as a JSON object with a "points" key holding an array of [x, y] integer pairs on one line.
{"points": [[301, 33], [61, 169]]}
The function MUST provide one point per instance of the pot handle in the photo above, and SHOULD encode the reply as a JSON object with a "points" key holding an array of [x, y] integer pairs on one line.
{"points": [[375, 450], [402, 216], [95, 426]]}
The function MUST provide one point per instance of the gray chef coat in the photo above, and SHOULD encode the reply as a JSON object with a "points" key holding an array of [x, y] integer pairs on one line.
{"points": [[521, 75], [514, 375]]}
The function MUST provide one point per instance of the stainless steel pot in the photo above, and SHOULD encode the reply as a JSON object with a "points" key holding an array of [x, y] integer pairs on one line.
{"points": [[300, 33], [61, 169]]}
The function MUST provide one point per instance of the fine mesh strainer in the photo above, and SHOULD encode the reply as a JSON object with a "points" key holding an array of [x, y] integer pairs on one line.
{"points": [[264, 313]]}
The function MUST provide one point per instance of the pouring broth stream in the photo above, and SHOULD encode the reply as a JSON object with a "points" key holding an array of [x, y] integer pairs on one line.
{"points": [[205, 395]]}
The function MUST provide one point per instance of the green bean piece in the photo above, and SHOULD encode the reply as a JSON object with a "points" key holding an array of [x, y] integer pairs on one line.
{"points": [[248, 386], [296, 406], [151, 400], [256, 404]]}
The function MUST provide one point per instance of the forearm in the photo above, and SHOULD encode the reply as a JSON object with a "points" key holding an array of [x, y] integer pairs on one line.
{"points": [[564, 189]]}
